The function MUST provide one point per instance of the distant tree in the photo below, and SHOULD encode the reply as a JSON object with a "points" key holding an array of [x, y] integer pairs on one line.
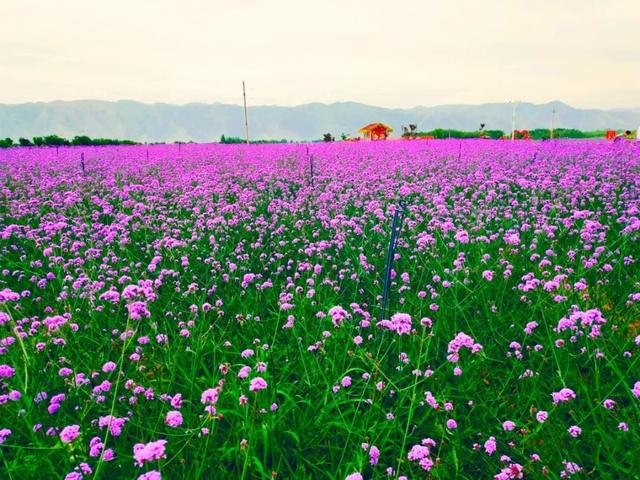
{"points": [[327, 137], [343, 136], [25, 142], [38, 141], [6, 143], [413, 129], [223, 139], [55, 141], [81, 140]]}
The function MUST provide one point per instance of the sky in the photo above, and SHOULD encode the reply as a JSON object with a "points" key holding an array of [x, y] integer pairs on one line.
{"points": [[291, 52]]}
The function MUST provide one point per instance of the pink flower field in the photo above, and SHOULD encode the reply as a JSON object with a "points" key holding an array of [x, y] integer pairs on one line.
{"points": [[215, 311]]}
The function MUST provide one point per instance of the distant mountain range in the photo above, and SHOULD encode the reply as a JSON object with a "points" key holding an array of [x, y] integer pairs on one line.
{"points": [[206, 122]]}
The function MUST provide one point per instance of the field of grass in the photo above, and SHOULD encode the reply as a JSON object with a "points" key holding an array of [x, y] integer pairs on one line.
{"points": [[214, 311]]}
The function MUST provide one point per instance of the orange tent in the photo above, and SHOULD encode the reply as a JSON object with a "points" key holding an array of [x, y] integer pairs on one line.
{"points": [[376, 131]]}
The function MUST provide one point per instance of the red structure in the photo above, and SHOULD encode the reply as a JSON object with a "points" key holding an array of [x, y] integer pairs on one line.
{"points": [[376, 131], [610, 135], [521, 135]]}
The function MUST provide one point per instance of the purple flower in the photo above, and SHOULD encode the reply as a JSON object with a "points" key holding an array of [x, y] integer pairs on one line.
{"points": [[374, 455], [563, 395], [257, 384], [150, 475], [149, 452], [69, 433], [508, 425], [490, 446], [173, 419], [636, 390], [574, 431], [6, 371]]}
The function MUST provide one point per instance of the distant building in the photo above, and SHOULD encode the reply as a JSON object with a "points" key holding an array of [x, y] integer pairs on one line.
{"points": [[376, 131]]}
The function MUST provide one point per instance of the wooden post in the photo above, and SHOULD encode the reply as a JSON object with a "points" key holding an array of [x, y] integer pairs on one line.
{"points": [[246, 122], [396, 227], [310, 157], [513, 119]]}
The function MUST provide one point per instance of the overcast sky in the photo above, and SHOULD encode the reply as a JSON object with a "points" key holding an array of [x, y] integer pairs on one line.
{"points": [[387, 53]]}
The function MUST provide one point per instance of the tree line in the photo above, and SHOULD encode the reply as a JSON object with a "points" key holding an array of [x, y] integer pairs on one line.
{"points": [[57, 141], [234, 140]]}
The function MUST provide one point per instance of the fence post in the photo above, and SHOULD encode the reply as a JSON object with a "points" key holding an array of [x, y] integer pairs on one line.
{"points": [[396, 228], [310, 157]]}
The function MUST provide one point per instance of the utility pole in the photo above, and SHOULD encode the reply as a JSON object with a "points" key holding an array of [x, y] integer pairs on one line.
{"points": [[246, 123], [553, 118], [513, 119]]}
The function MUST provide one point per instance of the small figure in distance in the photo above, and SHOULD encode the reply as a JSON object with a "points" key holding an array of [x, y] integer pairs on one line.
{"points": [[622, 136]]}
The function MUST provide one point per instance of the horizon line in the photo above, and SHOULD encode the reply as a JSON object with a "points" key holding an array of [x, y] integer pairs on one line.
{"points": [[339, 102]]}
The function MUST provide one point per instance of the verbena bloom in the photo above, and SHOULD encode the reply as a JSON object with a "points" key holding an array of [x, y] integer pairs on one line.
{"points": [[69, 433], [508, 425], [574, 431], [149, 452], [7, 371], [490, 445], [257, 384], [354, 476], [151, 475], [420, 454], [399, 323], [566, 394], [374, 455], [461, 340], [570, 468], [210, 396], [108, 367], [542, 416], [636, 389], [4, 434], [452, 424], [173, 419]]}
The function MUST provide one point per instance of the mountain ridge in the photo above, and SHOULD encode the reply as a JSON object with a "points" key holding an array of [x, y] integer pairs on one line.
{"points": [[200, 121]]}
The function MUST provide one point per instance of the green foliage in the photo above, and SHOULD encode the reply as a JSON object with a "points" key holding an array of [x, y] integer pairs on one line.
{"points": [[87, 141], [441, 133], [236, 140], [57, 141], [536, 134], [545, 133], [81, 140]]}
